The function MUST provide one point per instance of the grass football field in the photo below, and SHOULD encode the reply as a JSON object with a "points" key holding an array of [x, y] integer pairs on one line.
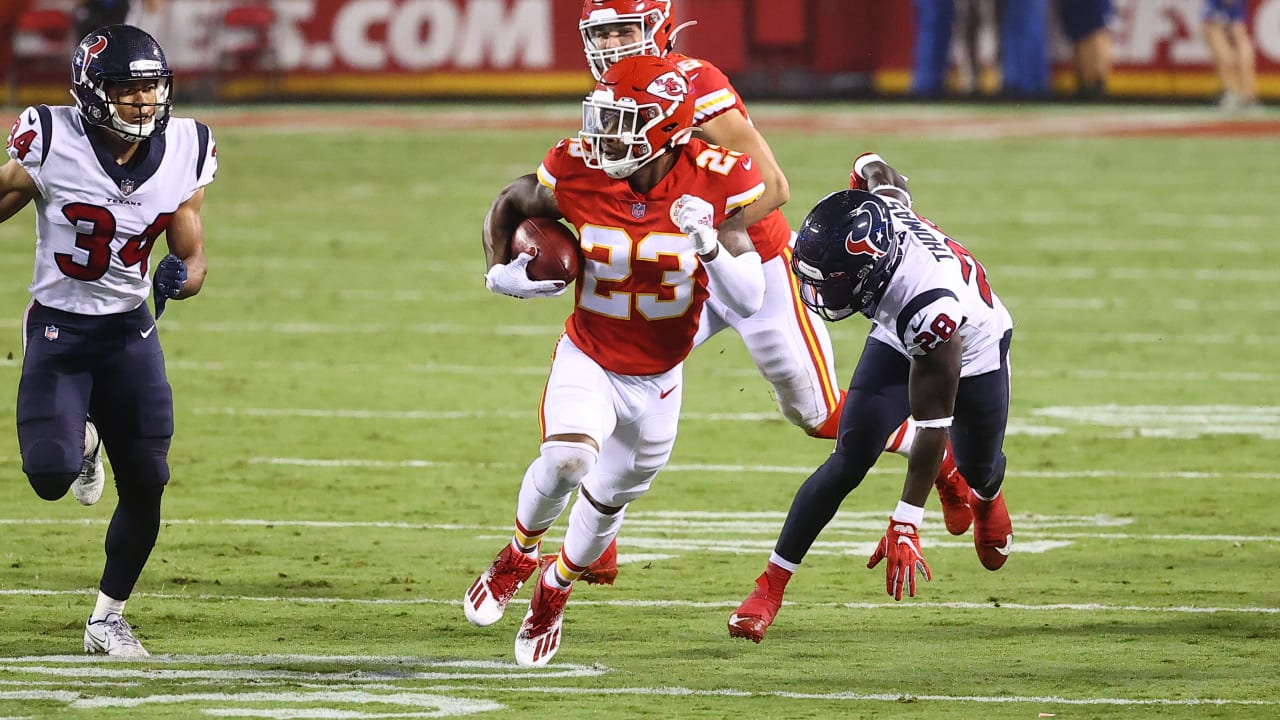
{"points": [[355, 411]]}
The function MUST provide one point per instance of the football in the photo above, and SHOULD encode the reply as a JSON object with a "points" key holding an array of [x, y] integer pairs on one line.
{"points": [[558, 249]]}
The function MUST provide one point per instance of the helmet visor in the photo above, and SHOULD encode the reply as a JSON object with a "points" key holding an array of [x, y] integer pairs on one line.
{"points": [[832, 298], [611, 138]]}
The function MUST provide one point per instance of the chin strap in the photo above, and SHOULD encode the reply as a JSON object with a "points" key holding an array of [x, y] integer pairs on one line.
{"points": [[671, 39]]}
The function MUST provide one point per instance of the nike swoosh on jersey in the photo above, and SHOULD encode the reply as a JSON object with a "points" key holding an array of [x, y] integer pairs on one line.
{"points": [[31, 119], [663, 395], [1007, 547], [746, 163], [147, 333]]}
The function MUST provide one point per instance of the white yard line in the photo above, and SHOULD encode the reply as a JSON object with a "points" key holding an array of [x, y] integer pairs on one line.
{"points": [[770, 529], [368, 368], [676, 604], [878, 697], [802, 470], [552, 331]]}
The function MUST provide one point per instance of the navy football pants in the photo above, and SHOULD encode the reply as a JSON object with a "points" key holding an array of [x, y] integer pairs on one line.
{"points": [[877, 404], [112, 368]]}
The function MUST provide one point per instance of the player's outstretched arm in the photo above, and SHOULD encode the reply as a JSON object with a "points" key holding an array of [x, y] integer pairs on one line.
{"points": [[873, 174], [732, 130], [16, 189], [186, 242], [522, 198]]}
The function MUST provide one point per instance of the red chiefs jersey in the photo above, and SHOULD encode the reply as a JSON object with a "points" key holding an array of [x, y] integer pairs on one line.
{"points": [[714, 96], [641, 287]]}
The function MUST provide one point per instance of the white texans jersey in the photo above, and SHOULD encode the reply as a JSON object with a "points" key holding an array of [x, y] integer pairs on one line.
{"points": [[97, 221], [939, 289]]}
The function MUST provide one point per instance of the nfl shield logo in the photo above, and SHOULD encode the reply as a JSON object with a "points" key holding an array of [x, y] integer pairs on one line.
{"points": [[126, 186], [50, 332], [637, 210]]}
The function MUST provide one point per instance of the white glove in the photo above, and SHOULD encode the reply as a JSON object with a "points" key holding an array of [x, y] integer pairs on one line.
{"points": [[513, 279], [694, 218]]}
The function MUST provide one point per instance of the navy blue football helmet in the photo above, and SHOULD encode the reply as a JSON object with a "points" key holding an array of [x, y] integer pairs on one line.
{"points": [[845, 254], [120, 54]]}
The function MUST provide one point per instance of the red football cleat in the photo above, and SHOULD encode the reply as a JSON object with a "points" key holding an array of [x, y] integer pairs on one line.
{"points": [[487, 598], [539, 636], [992, 530], [754, 616], [605, 569], [601, 572], [953, 493]]}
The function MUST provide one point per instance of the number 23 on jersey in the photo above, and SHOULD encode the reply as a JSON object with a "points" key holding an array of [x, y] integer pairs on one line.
{"points": [[616, 257]]}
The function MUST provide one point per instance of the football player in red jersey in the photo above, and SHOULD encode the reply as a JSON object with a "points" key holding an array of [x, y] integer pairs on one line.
{"points": [[661, 225], [788, 343]]}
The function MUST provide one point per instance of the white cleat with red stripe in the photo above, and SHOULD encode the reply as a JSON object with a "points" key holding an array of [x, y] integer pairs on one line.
{"points": [[539, 636], [487, 598]]}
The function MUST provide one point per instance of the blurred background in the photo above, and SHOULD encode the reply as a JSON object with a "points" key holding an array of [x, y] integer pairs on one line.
{"points": [[251, 50]]}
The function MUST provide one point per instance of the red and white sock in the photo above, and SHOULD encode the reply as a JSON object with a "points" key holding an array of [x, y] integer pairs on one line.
{"points": [[900, 440]]}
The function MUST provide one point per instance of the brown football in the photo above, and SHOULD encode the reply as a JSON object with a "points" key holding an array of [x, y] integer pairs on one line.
{"points": [[558, 250]]}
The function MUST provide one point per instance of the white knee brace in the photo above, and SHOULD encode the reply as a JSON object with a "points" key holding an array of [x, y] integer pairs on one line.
{"points": [[550, 481]]}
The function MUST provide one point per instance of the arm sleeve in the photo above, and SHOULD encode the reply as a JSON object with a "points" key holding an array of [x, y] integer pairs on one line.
{"points": [[737, 281]]}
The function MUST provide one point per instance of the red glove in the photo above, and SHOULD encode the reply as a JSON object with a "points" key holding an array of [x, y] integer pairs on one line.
{"points": [[901, 547], [856, 181]]}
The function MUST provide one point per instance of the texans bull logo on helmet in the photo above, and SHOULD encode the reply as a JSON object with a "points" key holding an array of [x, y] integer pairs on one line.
{"points": [[868, 216], [91, 51]]}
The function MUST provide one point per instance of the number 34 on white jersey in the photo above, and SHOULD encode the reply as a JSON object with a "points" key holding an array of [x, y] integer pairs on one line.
{"points": [[98, 221]]}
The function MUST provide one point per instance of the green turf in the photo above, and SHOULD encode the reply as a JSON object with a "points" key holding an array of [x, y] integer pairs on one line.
{"points": [[355, 412]]}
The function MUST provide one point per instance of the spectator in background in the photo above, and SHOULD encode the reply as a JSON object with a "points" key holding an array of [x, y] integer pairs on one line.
{"points": [[1228, 37], [90, 15], [1023, 42], [1024, 48], [1085, 24], [975, 49], [934, 21]]}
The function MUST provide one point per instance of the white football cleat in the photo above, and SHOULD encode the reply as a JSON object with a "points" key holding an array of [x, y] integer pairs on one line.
{"points": [[114, 637], [87, 487], [486, 600], [539, 636]]}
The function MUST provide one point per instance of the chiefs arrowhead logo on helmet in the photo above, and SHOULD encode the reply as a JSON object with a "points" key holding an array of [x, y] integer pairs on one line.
{"points": [[668, 86]]}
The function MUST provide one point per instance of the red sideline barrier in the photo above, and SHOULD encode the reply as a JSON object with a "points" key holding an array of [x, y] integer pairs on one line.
{"points": [[430, 48]]}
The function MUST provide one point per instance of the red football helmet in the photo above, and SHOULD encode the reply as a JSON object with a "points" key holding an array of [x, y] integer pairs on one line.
{"points": [[640, 108], [656, 35]]}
